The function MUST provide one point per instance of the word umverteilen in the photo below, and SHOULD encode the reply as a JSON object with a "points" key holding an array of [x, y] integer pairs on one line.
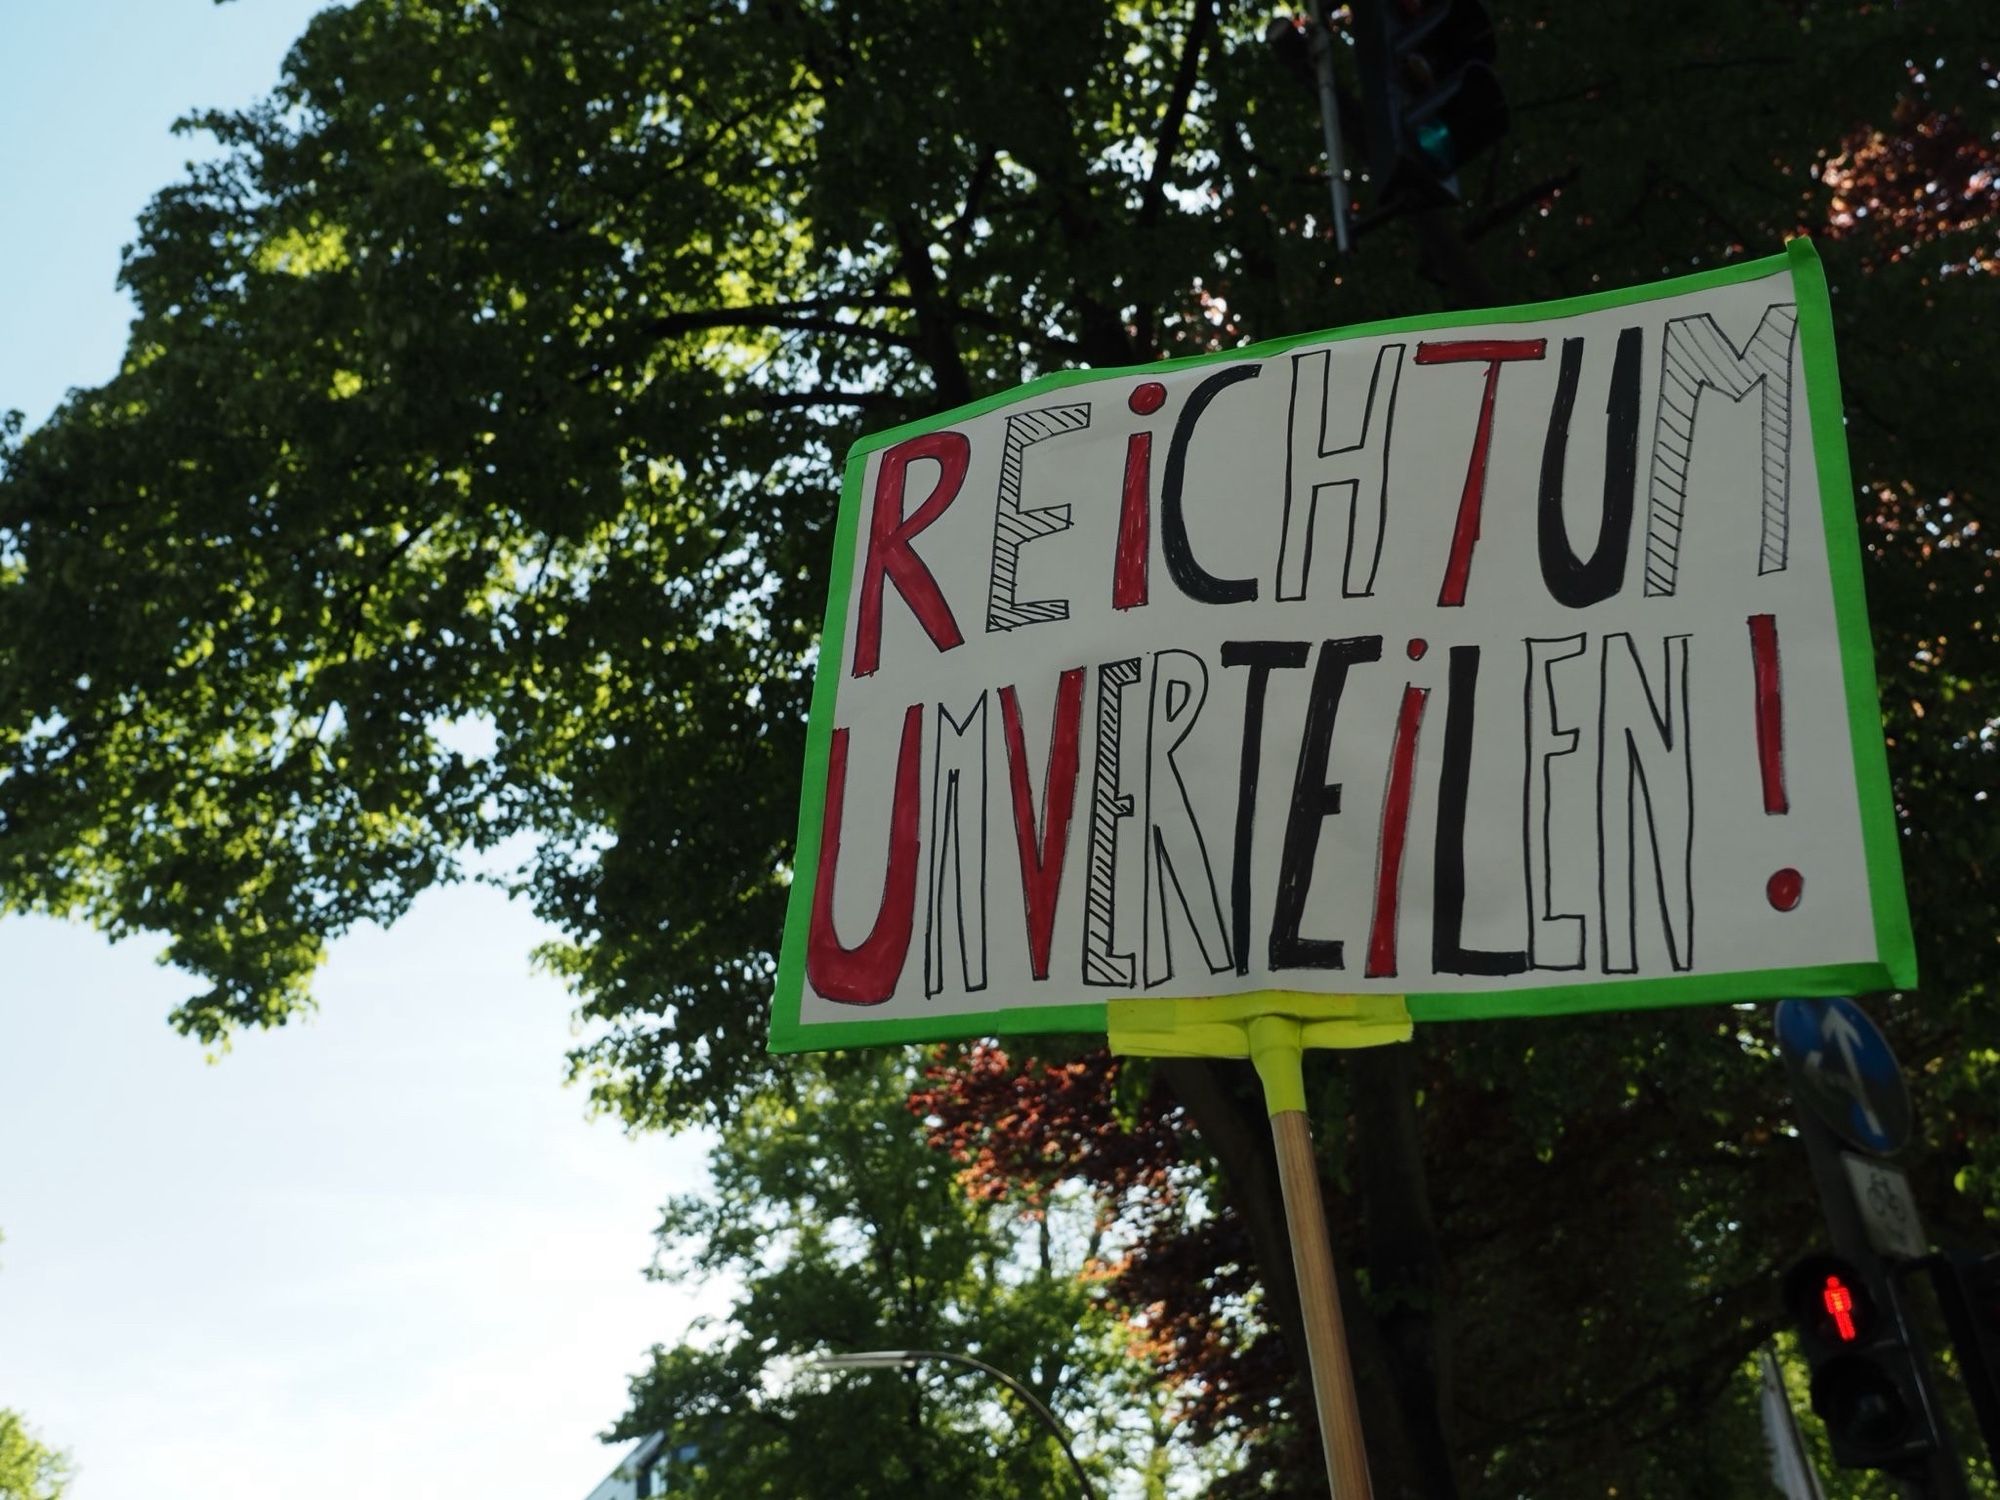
{"points": [[1198, 880]]}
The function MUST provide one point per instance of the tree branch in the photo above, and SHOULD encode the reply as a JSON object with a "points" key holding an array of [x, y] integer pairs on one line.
{"points": [[1597, 87], [1200, 24], [980, 317], [1492, 218], [936, 329], [982, 175], [724, 128], [790, 400], [795, 317]]}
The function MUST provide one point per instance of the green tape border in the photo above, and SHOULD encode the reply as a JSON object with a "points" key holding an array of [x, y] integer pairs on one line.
{"points": [[1895, 943]]}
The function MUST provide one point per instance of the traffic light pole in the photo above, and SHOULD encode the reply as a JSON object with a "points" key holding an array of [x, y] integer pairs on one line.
{"points": [[1329, 119], [1974, 1324]]}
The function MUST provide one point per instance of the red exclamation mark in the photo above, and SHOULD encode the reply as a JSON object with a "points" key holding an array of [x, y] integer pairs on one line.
{"points": [[1784, 888]]}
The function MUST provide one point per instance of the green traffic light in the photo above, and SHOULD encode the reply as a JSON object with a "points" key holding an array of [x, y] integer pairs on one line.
{"points": [[1434, 140]]}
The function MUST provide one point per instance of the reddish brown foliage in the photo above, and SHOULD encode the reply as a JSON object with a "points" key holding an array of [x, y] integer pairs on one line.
{"points": [[1926, 176], [1181, 1269], [1018, 1130]]}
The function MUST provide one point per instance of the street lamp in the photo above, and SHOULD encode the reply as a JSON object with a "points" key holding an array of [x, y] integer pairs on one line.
{"points": [[909, 1359]]}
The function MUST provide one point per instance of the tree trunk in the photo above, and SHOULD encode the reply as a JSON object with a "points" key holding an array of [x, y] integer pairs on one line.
{"points": [[1400, 1408], [1404, 1263]]}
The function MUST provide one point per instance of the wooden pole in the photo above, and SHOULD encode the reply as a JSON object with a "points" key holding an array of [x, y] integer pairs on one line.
{"points": [[1276, 1048], [1319, 1304]]}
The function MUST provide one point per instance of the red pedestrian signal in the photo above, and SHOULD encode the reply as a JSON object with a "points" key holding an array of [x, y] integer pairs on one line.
{"points": [[1837, 1297], [1865, 1382], [1831, 1303]]}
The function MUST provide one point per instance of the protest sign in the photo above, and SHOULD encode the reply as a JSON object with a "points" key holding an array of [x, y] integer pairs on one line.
{"points": [[1511, 662]]}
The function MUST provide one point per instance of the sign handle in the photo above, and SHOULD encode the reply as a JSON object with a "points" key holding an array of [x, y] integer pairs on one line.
{"points": [[1276, 1047]]}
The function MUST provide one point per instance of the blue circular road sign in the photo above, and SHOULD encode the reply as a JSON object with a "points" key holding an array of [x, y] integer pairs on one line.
{"points": [[1845, 1073]]}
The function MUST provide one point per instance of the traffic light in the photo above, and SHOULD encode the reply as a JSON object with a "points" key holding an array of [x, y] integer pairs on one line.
{"points": [[1968, 1288], [1865, 1385], [1432, 99]]}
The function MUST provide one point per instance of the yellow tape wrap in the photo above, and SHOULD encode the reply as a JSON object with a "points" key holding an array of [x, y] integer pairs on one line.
{"points": [[1270, 1027]]}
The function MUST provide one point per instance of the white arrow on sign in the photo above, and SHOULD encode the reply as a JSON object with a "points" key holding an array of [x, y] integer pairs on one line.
{"points": [[1837, 1027]]}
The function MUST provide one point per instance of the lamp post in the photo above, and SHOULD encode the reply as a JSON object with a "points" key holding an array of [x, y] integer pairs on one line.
{"points": [[909, 1359]]}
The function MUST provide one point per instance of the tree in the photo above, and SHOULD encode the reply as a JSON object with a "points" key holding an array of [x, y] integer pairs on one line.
{"points": [[845, 1232], [470, 477], [29, 1470]]}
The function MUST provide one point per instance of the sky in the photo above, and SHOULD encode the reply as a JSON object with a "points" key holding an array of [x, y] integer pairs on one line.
{"points": [[384, 1251]]}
